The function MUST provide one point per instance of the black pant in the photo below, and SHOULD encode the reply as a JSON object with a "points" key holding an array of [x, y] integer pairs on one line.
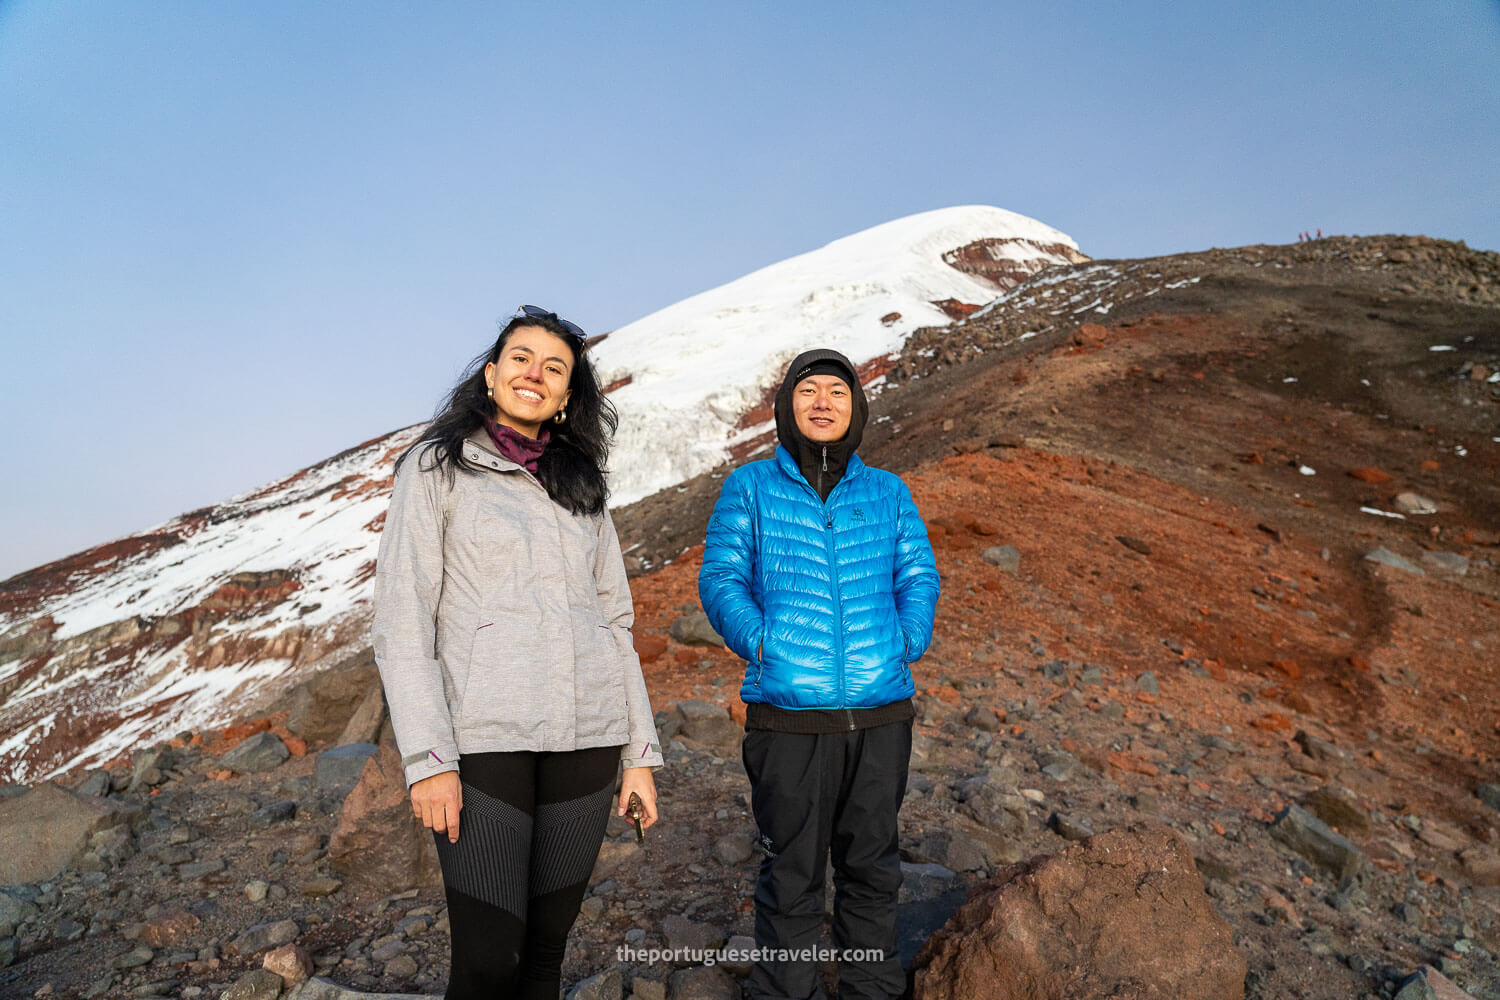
{"points": [[528, 837], [810, 794]]}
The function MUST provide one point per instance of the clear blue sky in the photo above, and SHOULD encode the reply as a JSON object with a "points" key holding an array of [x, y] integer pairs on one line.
{"points": [[236, 238]]}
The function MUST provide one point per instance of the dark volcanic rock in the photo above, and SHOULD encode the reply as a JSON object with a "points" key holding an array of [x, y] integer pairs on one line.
{"points": [[1310, 837], [694, 630], [709, 724], [338, 770], [262, 752], [1339, 808], [264, 936], [277, 812]]}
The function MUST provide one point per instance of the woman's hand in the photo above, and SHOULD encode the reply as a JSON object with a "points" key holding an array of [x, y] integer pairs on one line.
{"points": [[437, 800], [640, 781]]}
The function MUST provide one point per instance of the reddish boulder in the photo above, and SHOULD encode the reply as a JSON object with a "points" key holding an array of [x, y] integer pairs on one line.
{"points": [[1090, 335], [379, 847], [291, 962], [1121, 915], [169, 928], [649, 647]]}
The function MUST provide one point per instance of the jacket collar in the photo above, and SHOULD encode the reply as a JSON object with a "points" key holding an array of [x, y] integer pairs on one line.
{"points": [[788, 465], [480, 450]]}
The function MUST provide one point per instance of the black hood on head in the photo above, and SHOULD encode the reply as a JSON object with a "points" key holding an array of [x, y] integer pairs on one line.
{"points": [[809, 455]]}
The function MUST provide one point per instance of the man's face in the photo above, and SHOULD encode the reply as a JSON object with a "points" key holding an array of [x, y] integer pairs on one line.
{"points": [[821, 406]]}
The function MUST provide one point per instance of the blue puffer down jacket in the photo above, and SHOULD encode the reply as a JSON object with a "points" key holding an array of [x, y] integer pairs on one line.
{"points": [[827, 602]]}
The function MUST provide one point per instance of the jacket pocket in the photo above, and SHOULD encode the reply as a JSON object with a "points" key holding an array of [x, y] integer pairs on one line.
{"points": [[466, 688], [601, 704]]}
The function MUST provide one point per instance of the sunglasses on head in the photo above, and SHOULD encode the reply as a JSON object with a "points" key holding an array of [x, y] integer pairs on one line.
{"points": [[537, 312]]}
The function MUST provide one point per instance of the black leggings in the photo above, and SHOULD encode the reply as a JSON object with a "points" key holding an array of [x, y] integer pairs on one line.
{"points": [[528, 837]]}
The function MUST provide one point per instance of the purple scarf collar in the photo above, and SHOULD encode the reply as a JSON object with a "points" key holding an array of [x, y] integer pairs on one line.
{"points": [[517, 447]]}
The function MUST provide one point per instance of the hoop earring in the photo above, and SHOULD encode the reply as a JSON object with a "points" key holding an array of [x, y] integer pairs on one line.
{"points": [[561, 416], [490, 392]]}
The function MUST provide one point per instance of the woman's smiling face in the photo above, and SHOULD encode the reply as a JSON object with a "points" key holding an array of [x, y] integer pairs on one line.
{"points": [[530, 378]]}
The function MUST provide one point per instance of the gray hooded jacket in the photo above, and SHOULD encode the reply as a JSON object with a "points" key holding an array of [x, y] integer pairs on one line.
{"points": [[502, 621]]}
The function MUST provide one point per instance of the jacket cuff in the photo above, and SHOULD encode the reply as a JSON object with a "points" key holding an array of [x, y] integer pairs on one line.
{"points": [[427, 763], [641, 755]]}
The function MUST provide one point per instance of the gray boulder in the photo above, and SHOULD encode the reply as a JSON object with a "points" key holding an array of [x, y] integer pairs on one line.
{"points": [[263, 937], [1058, 765], [681, 933], [364, 725], [318, 988], [703, 983], [1004, 557], [48, 828], [149, 767], [926, 881], [1386, 557], [996, 808], [1428, 983], [1310, 837], [1070, 827], [14, 908], [984, 718], [1339, 808], [322, 706], [262, 752], [1414, 503], [607, 985], [693, 629], [338, 770], [1489, 795], [1447, 562], [277, 812], [257, 984], [95, 784], [734, 848], [708, 724]]}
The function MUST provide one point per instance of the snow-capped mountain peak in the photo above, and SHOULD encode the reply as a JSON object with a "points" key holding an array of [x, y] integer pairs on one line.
{"points": [[697, 368]]}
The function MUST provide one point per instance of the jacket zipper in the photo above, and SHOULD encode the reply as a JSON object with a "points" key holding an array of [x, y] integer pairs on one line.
{"points": [[838, 610], [833, 575]]}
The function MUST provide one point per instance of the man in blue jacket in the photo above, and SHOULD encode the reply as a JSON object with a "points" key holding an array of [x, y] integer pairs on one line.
{"points": [[817, 571]]}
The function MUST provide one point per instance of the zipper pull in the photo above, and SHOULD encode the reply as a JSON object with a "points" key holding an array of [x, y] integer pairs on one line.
{"points": [[830, 520], [825, 458]]}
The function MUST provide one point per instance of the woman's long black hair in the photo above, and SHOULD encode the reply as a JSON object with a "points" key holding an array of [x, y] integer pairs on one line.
{"points": [[572, 467]]}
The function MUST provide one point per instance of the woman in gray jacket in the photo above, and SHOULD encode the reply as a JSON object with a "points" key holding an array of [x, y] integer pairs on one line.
{"points": [[502, 633]]}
